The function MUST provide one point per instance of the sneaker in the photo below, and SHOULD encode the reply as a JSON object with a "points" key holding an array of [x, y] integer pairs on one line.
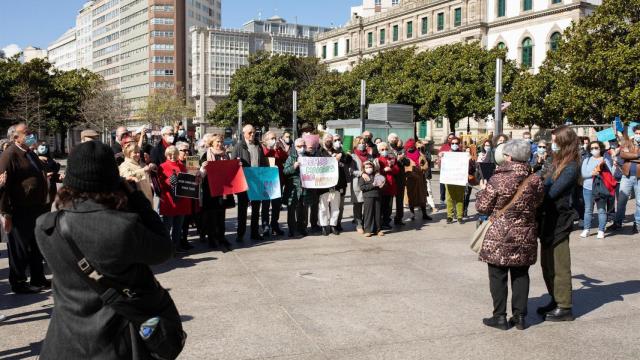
{"points": [[600, 235], [584, 234], [449, 221], [460, 221]]}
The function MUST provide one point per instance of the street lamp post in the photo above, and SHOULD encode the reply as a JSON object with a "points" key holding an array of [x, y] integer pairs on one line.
{"points": [[239, 120], [498, 110], [295, 114], [363, 102]]}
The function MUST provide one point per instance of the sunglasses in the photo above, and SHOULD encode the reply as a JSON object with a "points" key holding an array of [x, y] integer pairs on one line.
{"points": [[595, 148], [542, 147]]}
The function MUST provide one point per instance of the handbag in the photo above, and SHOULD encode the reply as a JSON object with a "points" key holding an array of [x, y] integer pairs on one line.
{"points": [[159, 330], [477, 239]]}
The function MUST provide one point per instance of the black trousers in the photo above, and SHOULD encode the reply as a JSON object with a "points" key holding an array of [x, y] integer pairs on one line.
{"points": [[275, 205], [399, 203], [357, 214], [314, 210], [341, 214], [215, 224], [498, 277], [443, 193], [386, 207], [372, 215], [243, 204], [297, 217], [24, 252], [467, 198]]}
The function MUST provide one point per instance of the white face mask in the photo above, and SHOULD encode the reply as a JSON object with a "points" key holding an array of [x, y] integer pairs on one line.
{"points": [[169, 139], [487, 148], [636, 137], [42, 150], [384, 153], [337, 145], [555, 147], [361, 147], [271, 143], [595, 153], [455, 147], [368, 171]]}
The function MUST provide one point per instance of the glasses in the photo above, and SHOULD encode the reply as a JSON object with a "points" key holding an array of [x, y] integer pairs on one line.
{"points": [[184, 150], [541, 147], [595, 148]]}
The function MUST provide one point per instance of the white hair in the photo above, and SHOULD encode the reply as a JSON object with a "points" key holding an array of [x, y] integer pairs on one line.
{"points": [[166, 130], [382, 144], [393, 136]]}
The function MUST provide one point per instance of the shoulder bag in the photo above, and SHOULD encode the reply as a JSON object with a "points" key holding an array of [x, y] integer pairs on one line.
{"points": [[478, 236], [153, 318]]}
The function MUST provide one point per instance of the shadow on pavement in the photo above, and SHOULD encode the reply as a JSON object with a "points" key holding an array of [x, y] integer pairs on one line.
{"points": [[590, 297], [25, 352], [180, 263]]}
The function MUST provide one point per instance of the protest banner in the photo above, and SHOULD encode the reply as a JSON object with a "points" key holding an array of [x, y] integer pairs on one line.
{"points": [[193, 164], [454, 169], [264, 183], [225, 177], [187, 186], [606, 135], [347, 143], [318, 172]]}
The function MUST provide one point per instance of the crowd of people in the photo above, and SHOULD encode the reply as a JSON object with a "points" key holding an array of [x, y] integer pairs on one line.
{"points": [[535, 192]]}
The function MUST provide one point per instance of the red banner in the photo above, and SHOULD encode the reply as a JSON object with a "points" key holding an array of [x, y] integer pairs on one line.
{"points": [[225, 178]]}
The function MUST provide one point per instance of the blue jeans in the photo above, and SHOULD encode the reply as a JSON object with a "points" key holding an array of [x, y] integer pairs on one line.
{"points": [[588, 211], [628, 184], [174, 226]]}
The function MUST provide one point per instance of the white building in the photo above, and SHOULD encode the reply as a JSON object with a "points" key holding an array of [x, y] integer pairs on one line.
{"points": [[218, 53], [138, 46], [527, 28], [31, 52], [62, 52], [373, 7]]}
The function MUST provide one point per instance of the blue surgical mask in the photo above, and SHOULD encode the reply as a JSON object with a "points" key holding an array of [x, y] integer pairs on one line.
{"points": [[555, 147], [30, 140], [42, 150], [455, 147], [300, 152], [362, 147], [487, 148], [384, 153], [181, 133], [541, 151]]}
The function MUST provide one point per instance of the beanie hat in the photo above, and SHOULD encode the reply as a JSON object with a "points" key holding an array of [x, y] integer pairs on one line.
{"points": [[92, 167]]}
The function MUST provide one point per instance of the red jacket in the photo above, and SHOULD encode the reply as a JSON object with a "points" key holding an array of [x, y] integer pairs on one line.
{"points": [[390, 187], [281, 157], [169, 204]]}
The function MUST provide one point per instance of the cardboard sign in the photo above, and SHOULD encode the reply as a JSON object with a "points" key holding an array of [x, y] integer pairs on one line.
{"points": [[347, 143], [193, 164], [454, 169], [187, 187], [264, 183], [318, 172], [272, 162], [606, 135], [225, 178]]}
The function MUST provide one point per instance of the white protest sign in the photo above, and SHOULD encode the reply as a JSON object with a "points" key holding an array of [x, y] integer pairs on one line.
{"points": [[454, 169], [318, 172]]}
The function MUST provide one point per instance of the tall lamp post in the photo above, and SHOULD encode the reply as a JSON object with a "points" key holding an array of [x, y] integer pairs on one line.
{"points": [[295, 114], [498, 110], [239, 120], [363, 102]]}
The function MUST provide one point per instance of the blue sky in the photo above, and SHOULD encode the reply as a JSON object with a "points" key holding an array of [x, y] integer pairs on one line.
{"points": [[39, 22]]}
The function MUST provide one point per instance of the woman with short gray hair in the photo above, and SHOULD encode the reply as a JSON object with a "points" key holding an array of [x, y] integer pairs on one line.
{"points": [[510, 245]]}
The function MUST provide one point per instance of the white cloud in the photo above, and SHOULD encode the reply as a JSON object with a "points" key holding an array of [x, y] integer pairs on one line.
{"points": [[11, 50]]}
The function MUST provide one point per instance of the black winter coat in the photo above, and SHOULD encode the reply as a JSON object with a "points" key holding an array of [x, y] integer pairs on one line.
{"points": [[121, 246], [557, 214]]}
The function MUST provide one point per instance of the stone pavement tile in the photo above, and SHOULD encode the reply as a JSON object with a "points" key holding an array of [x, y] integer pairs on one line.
{"points": [[244, 332], [565, 341]]}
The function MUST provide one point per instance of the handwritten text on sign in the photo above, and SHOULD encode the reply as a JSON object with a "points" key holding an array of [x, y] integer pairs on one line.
{"points": [[455, 168], [318, 172], [264, 183]]}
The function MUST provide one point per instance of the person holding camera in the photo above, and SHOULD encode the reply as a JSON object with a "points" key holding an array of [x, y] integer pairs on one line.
{"points": [[114, 226]]}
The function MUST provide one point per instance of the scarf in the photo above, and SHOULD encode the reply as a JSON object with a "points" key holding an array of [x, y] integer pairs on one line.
{"points": [[413, 156]]}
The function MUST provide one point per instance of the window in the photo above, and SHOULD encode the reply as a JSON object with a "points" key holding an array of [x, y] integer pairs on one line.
{"points": [[457, 19], [168, 47], [527, 53], [556, 2], [409, 29], [378, 2], [370, 39], [383, 36], [425, 25], [502, 8], [335, 49], [527, 5], [395, 2], [162, 21], [440, 21], [157, 33], [439, 122], [555, 39], [164, 8], [162, 72], [324, 51], [348, 46], [501, 45], [396, 29]]}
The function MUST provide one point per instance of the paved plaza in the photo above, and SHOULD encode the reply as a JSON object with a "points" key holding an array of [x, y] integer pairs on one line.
{"points": [[418, 293]]}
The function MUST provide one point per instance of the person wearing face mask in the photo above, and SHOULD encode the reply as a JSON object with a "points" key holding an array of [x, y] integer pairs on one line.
{"points": [[584, 149], [51, 168], [345, 168], [534, 147], [388, 167], [372, 148], [486, 153], [398, 151], [500, 139], [630, 181], [298, 199], [591, 167], [446, 147], [181, 133], [371, 187], [22, 200], [286, 142], [416, 184], [360, 156], [122, 134], [272, 148], [455, 193], [330, 198], [158, 156]]}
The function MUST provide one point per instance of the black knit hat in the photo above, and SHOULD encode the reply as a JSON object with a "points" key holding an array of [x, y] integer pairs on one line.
{"points": [[92, 167]]}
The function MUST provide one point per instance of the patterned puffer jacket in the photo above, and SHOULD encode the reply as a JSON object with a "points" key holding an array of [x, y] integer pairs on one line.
{"points": [[512, 238]]}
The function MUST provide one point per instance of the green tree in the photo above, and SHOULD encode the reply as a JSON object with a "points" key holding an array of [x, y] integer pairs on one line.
{"points": [[530, 105]]}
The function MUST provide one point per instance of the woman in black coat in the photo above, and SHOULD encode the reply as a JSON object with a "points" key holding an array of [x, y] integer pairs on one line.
{"points": [[213, 207], [120, 235], [557, 224]]}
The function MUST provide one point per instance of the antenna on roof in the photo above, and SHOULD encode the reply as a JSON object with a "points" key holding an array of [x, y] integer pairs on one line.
{"points": [[259, 15]]}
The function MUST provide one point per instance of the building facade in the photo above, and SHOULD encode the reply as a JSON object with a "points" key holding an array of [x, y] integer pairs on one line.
{"points": [[218, 53], [62, 52], [31, 52], [526, 28], [373, 7], [137, 46]]}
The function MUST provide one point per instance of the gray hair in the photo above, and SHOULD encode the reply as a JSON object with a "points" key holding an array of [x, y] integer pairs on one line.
{"points": [[393, 136], [299, 141], [519, 150], [182, 145], [382, 144], [11, 133]]}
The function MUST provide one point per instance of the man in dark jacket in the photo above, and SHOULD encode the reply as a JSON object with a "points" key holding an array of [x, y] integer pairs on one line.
{"points": [[329, 199], [119, 242], [297, 198], [24, 199], [122, 136], [345, 169], [168, 138], [249, 152], [398, 150]]}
